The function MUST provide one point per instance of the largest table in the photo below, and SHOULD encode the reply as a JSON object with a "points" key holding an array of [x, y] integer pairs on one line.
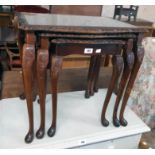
{"points": [[32, 26]]}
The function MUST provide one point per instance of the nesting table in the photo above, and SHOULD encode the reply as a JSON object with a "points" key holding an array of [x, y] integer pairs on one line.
{"points": [[36, 35]]}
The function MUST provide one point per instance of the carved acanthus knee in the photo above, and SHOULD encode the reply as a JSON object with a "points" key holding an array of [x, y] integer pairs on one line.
{"points": [[28, 55], [56, 65], [42, 58]]}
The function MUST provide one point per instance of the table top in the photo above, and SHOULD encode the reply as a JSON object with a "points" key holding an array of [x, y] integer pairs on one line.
{"points": [[73, 24]]}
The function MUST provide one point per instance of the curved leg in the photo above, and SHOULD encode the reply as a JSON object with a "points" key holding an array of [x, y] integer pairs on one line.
{"points": [[88, 91], [20, 46], [128, 64], [139, 54], [106, 64], [28, 58], [34, 82], [117, 61], [34, 86], [56, 66], [42, 62]]}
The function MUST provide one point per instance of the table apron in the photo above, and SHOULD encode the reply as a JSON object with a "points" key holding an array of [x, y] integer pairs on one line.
{"points": [[83, 49]]}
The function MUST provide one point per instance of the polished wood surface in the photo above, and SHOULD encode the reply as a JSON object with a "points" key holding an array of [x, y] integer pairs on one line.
{"points": [[28, 59], [42, 62], [138, 54], [89, 92], [56, 66], [117, 68], [128, 58]]}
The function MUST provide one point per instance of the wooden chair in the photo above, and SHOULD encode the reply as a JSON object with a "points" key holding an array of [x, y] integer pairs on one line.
{"points": [[14, 56], [129, 12], [30, 8]]}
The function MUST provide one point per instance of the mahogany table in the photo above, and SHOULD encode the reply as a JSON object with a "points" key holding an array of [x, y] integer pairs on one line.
{"points": [[32, 43]]}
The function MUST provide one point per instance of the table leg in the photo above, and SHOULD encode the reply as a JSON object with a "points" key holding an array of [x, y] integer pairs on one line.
{"points": [[34, 86], [28, 58], [96, 73], [42, 62], [22, 96], [20, 46], [117, 62], [139, 54], [128, 64], [89, 92], [56, 66], [107, 60]]}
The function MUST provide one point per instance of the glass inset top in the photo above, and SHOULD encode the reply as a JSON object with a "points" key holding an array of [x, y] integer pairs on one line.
{"points": [[47, 21], [71, 20]]}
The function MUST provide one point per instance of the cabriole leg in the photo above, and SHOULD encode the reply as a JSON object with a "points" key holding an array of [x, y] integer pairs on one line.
{"points": [[88, 91], [56, 66], [128, 64], [42, 62], [117, 61], [139, 54], [28, 58]]}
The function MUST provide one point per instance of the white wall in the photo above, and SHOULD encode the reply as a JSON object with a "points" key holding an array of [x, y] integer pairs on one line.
{"points": [[145, 12]]}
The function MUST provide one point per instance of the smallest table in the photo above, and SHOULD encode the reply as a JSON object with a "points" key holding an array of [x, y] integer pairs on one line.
{"points": [[63, 47]]}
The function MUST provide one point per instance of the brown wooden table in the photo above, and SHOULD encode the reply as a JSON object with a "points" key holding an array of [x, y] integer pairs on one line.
{"points": [[32, 43]]}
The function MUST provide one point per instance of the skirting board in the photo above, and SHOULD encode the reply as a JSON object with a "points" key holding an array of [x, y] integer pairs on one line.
{"points": [[78, 122]]}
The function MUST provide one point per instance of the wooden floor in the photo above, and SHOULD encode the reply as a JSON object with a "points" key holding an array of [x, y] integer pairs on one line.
{"points": [[149, 138], [70, 80]]}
